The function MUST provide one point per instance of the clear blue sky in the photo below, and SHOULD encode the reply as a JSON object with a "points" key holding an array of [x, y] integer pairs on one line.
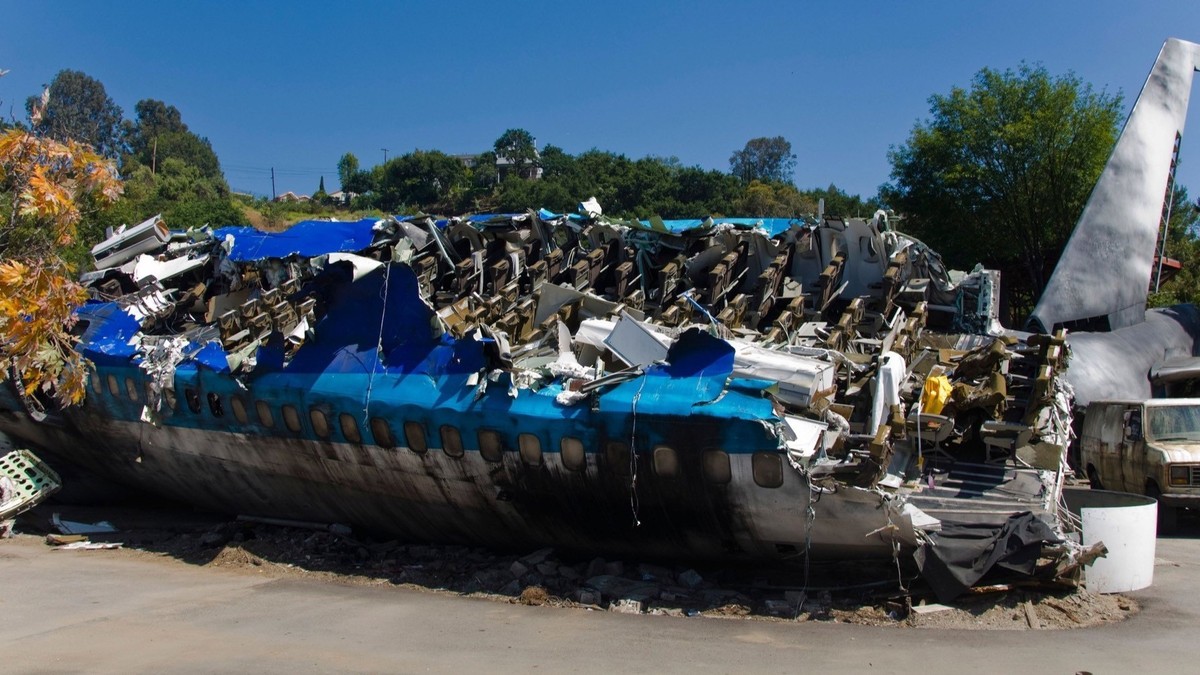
{"points": [[294, 85]]}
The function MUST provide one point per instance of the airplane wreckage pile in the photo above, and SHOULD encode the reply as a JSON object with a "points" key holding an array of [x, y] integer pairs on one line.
{"points": [[728, 389]]}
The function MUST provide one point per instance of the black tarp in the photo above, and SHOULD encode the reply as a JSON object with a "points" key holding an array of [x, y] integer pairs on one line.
{"points": [[959, 555]]}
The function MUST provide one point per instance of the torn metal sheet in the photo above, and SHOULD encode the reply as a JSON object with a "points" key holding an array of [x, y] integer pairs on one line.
{"points": [[147, 267], [72, 527], [634, 344], [128, 243], [25, 482]]}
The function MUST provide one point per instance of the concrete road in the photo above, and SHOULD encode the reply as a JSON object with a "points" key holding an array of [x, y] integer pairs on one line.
{"points": [[95, 611]]}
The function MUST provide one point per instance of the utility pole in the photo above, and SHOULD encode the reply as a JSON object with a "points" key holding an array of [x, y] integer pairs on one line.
{"points": [[272, 183], [384, 155]]}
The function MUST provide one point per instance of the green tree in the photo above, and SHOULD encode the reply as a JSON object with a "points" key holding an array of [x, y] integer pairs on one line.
{"points": [[517, 146], [176, 181], [360, 182], [321, 196], [483, 174], [600, 174], [626, 188], [195, 151], [840, 203], [181, 192], [1001, 172], [515, 195], [1183, 245], [768, 159], [426, 180], [159, 133], [347, 167], [156, 117], [152, 119], [79, 109], [774, 200], [217, 212], [556, 163], [169, 170]]}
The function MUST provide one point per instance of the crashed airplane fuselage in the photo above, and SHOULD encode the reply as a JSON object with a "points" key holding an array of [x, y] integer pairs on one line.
{"points": [[739, 388], [742, 389]]}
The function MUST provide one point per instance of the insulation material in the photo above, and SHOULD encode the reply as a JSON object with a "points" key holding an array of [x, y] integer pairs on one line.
{"points": [[799, 379]]}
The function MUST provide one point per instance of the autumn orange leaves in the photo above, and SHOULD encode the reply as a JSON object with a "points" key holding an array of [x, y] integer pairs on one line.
{"points": [[44, 182]]}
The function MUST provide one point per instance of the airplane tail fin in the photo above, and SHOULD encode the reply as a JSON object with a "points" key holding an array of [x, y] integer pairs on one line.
{"points": [[1104, 273]]}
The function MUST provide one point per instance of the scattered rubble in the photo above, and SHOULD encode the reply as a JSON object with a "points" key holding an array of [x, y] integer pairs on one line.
{"points": [[554, 581]]}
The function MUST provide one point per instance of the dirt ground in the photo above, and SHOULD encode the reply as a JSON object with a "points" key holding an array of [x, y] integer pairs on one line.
{"points": [[833, 593]]}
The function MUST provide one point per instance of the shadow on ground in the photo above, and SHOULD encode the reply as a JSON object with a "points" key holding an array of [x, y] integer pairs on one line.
{"points": [[852, 592]]}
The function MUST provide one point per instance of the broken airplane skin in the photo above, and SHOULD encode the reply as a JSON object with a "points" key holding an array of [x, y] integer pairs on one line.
{"points": [[476, 380]]}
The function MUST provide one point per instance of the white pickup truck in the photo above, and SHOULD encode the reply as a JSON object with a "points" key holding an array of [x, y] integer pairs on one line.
{"points": [[1149, 447]]}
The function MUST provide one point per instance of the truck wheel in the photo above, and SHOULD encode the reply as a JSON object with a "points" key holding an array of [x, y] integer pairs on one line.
{"points": [[1167, 515], [1094, 478]]}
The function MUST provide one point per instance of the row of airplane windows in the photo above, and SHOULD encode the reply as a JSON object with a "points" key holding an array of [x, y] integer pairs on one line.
{"points": [[766, 467]]}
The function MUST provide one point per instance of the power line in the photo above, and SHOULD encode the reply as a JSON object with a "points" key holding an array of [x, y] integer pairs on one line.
{"points": [[267, 168]]}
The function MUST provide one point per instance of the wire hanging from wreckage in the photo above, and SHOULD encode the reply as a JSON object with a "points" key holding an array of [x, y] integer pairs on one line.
{"points": [[387, 275], [633, 499]]}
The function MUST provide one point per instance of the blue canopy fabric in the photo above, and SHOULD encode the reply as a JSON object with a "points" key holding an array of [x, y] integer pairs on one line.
{"points": [[773, 226], [307, 238]]}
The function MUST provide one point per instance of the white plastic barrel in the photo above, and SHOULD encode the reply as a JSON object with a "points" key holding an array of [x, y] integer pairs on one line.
{"points": [[1127, 524]]}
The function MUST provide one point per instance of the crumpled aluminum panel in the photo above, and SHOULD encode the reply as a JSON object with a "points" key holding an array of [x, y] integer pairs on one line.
{"points": [[27, 481]]}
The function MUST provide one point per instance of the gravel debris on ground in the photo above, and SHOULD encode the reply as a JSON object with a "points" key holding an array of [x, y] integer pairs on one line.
{"points": [[834, 593]]}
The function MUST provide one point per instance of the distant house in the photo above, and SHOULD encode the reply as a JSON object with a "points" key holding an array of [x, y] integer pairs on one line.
{"points": [[342, 198], [532, 171], [505, 166], [469, 161], [290, 196]]}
